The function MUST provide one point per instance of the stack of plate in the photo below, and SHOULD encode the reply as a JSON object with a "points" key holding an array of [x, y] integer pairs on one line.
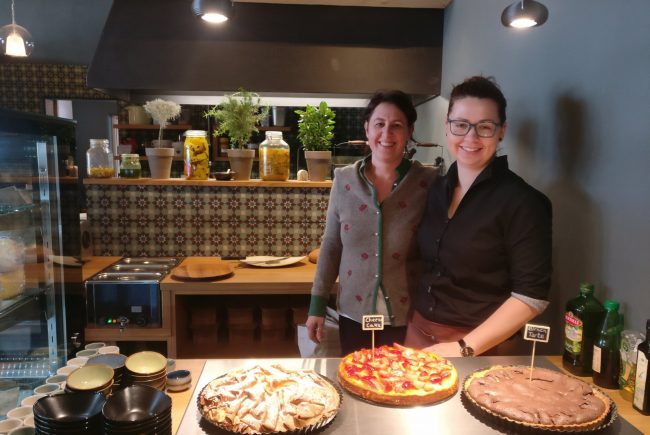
{"points": [[89, 378], [146, 368], [69, 414], [113, 360], [138, 409]]}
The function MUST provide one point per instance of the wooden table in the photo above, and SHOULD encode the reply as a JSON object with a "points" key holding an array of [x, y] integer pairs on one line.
{"points": [[184, 401]]}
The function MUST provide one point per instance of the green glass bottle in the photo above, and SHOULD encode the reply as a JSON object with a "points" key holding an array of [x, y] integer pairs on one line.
{"points": [[582, 319], [606, 357]]}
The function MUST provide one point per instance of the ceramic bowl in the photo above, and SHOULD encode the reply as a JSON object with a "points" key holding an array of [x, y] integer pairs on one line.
{"points": [[136, 403], [108, 349], [30, 400], [21, 413], [146, 362], [90, 378], [223, 176], [69, 408], [94, 346], [24, 430], [113, 360], [87, 353], [79, 361], [66, 370], [29, 420], [56, 379], [10, 424], [178, 388], [47, 389], [179, 377]]}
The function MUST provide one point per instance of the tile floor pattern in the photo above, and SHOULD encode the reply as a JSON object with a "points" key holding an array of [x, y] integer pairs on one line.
{"points": [[205, 221]]}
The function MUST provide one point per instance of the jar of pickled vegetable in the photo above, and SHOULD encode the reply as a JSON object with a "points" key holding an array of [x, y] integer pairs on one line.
{"points": [[196, 154], [130, 166], [99, 159], [274, 157]]}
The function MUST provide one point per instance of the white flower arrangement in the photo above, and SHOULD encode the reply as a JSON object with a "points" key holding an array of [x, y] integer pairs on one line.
{"points": [[162, 112]]}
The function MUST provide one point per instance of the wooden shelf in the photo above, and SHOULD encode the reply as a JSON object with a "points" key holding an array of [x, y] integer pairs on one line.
{"points": [[151, 127]]}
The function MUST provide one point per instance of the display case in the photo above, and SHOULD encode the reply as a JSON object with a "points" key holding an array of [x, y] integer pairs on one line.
{"points": [[40, 273]]}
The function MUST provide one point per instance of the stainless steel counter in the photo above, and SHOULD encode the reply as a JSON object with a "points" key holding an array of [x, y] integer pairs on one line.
{"points": [[359, 417]]}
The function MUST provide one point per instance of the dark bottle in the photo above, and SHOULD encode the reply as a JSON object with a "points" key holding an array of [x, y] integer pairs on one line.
{"points": [[582, 319], [641, 401], [606, 358]]}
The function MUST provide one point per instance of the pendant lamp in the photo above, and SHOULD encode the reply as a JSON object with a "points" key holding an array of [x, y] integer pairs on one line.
{"points": [[212, 11], [524, 13], [15, 40]]}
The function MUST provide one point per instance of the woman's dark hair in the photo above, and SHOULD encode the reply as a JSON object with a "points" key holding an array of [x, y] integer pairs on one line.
{"points": [[479, 87], [398, 98]]}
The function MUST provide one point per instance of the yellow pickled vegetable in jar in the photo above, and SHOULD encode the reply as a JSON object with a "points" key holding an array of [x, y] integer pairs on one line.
{"points": [[274, 157], [197, 155]]}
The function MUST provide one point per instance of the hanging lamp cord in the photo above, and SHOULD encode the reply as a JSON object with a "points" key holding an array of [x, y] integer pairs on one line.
{"points": [[13, 15]]}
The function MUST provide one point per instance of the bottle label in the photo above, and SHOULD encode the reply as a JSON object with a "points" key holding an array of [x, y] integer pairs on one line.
{"points": [[595, 362], [641, 377], [573, 330]]}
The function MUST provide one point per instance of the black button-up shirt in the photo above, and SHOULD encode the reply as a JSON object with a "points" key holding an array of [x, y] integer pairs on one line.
{"points": [[497, 243]]}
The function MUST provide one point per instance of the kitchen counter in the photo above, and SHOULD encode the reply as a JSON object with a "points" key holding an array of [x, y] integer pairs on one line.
{"points": [[359, 417], [293, 279]]}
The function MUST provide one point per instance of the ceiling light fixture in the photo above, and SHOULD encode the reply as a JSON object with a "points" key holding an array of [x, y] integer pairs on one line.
{"points": [[212, 11], [524, 13], [14, 39]]}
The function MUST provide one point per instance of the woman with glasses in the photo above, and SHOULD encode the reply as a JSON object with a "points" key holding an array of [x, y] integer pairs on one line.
{"points": [[369, 242], [485, 238]]}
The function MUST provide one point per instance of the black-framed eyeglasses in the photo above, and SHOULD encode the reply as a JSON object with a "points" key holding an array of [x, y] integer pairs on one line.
{"points": [[482, 128]]}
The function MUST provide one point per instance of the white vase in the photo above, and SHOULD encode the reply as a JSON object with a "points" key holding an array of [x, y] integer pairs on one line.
{"points": [[160, 162]]}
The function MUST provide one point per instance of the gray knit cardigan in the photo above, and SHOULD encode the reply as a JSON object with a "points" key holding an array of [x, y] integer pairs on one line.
{"points": [[371, 248]]}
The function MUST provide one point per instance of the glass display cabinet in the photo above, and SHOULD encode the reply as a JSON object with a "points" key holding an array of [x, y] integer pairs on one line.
{"points": [[40, 273]]}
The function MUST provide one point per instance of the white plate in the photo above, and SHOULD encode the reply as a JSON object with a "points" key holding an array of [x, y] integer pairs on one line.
{"points": [[66, 260], [267, 261]]}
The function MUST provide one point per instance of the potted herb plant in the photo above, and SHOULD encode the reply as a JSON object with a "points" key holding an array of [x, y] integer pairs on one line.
{"points": [[315, 132], [237, 117], [160, 156]]}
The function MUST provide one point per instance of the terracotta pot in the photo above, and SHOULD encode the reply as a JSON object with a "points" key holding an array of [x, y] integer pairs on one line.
{"points": [[160, 162], [241, 162], [319, 165]]}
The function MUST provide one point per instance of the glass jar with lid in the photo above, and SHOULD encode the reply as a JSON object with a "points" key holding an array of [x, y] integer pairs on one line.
{"points": [[130, 166], [196, 154], [99, 159], [274, 157]]}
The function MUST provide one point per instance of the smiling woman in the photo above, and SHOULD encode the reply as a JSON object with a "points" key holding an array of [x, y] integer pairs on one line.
{"points": [[488, 263]]}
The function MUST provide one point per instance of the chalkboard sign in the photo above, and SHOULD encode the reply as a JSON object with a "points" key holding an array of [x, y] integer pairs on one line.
{"points": [[373, 322], [537, 332]]}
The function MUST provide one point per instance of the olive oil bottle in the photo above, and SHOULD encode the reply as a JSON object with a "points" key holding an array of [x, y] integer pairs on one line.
{"points": [[582, 318]]}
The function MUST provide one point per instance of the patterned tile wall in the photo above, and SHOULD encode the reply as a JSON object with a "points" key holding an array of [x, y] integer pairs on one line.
{"points": [[25, 86], [205, 221]]}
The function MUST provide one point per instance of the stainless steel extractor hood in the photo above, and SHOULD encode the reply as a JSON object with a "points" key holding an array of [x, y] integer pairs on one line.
{"points": [[159, 47]]}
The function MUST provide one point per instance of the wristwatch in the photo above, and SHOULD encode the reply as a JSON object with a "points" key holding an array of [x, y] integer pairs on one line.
{"points": [[465, 350]]}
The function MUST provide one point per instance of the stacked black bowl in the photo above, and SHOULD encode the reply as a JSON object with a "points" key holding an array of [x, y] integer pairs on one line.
{"points": [[79, 413], [138, 409]]}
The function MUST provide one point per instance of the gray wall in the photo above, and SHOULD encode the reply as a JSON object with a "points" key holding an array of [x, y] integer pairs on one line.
{"points": [[578, 91]]}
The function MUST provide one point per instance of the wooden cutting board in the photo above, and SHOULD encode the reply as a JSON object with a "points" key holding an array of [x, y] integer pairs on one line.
{"points": [[203, 270]]}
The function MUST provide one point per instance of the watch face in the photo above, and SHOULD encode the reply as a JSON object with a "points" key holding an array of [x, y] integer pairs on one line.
{"points": [[467, 351]]}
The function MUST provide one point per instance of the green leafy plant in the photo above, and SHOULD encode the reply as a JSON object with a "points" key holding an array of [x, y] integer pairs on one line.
{"points": [[315, 127], [237, 117]]}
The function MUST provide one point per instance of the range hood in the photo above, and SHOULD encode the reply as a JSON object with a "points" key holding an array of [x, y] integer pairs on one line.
{"points": [[159, 47]]}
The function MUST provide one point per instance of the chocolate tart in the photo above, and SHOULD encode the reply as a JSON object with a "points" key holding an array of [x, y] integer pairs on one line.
{"points": [[552, 401]]}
